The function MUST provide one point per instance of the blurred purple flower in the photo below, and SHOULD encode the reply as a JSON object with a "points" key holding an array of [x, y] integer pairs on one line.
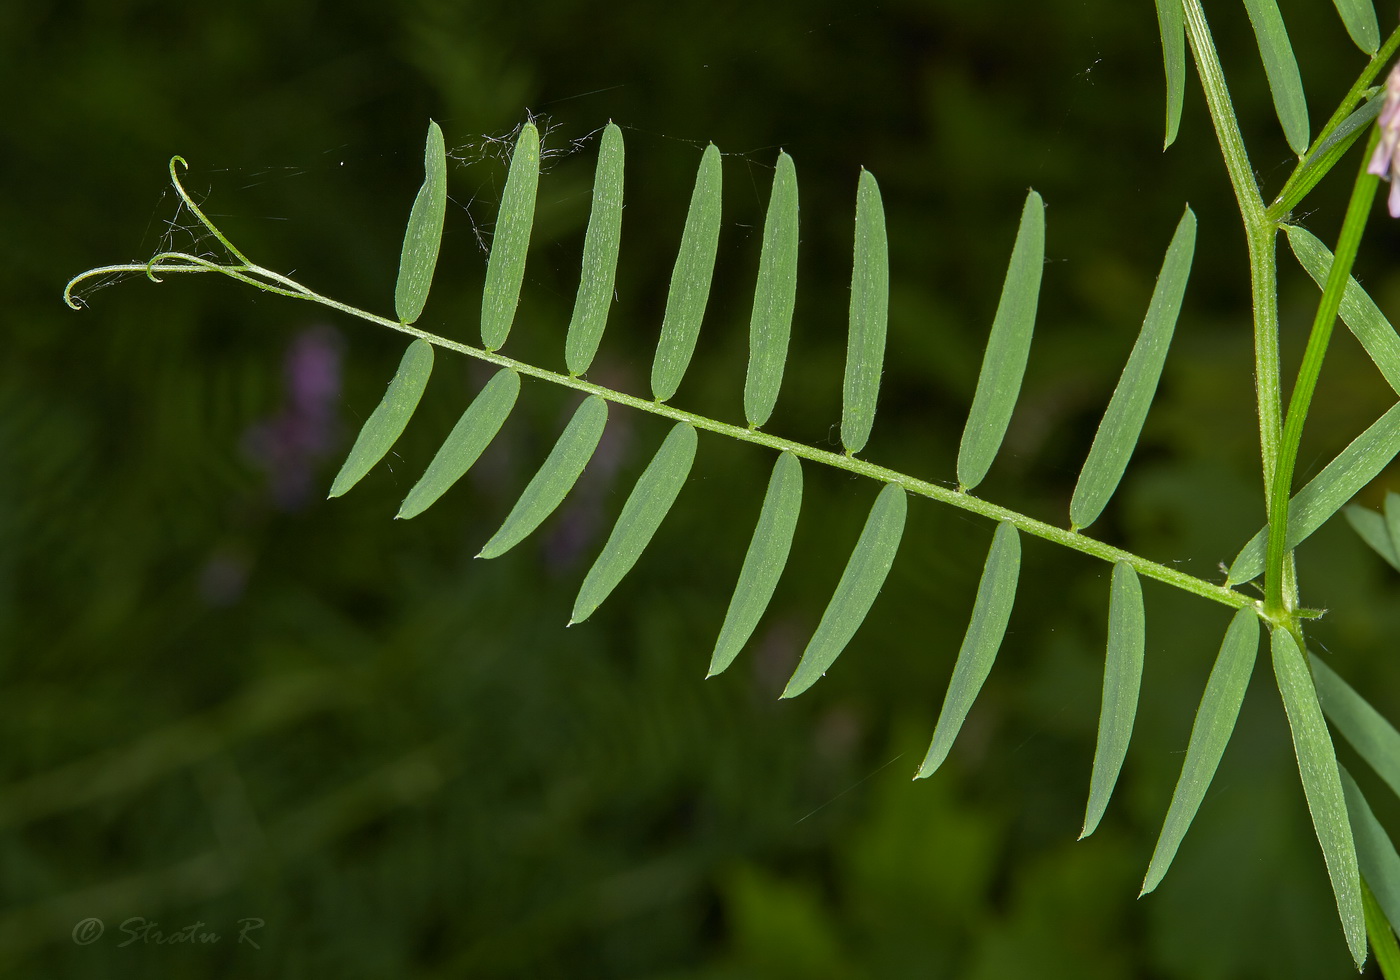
{"points": [[289, 444], [1383, 161]]}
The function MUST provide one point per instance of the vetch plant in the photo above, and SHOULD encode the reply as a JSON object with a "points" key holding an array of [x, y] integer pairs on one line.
{"points": [[1361, 860]]}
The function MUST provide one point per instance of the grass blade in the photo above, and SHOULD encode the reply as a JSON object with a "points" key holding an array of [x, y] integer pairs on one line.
{"points": [[996, 593], [465, 443], [646, 508], [1317, 765], [1169, 21], [1373, 530], [690, 279], [1366, 729], [1122, 679], [1358, 311], [505, 269], [1375, 853], [1325, 494], [389, 418], [1215, 722], [764, 562], [423, 235], [555, 478], [774, 297], [1285, 84], [870, 303], [600, 247], [860, 583], [1127, 410], [1359, 18], [1008, 346]]}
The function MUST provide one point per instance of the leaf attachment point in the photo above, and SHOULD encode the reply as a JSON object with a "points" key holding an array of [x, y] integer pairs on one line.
{"points": [[505, 269], [601, 244], [870, 302], [774, 297], [423, 235], [389, 418]]}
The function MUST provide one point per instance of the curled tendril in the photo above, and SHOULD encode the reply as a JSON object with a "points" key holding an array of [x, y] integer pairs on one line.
{"points": [[195, 210]]}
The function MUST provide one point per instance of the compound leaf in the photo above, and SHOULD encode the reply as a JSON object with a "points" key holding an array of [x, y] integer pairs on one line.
{"points": [[774, 297], [870, 302], [690, 279], [505, 269], [601, 244], [423, 235], [389, 418]]}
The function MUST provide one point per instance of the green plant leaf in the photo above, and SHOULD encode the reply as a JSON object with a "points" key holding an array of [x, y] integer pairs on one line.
{"points": [[386, 423], [555, 478], [996, 593], [505, 269], [690, 279], [1373, 530], [467, 440], [1322, 785], [1285, 84], [1169, 22], [764, 562], [860, 583], [870, 303], [1122, 679], [423, 235], [601, 244], [645, 509], [1127, 410], [1320, 162], [1382, 936], [1340, 480], [1008, 346], [1210, 733], [1392, 518], [1359, 17], [1375, 853], [1358, 311], [774, 297], [1366, 729]]}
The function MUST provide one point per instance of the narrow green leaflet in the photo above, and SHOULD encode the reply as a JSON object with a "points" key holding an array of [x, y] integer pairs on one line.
{"points": [[1215, 721], [646, 507], [764, 562], [1358, 311], [467, 440], [556, 477], [386, 423], [860, 583], [1359, 16], [1366, 729], [996, 593], [1285, 84], [505, 269], [1392, 518], [1169, 21], [1325, 157], [1373, 530], [1355, 466], [600, 247], [1375, 853], [774, 297], [1122, 679], [1127, 409], [870, 303], [1382, 935], [1322, 785], [424, 232], [690, 279], [1008, 346]]}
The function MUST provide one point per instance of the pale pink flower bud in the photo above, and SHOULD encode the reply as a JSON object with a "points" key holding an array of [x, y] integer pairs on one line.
{"points": [[1383, 161]]}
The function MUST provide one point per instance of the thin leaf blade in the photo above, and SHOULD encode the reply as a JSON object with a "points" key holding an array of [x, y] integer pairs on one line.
{"points": [[774, 297], [1322, 785], [1365, 729], [1170, 23], [1359, 18], [555, 478], [1375, 853], [465, 443], [1210, 733], [1285, 84], [763, 562], [389, 418], [601, 244], [1122, 679], [1008, 347], [646, 507], [1371, 528], [1122, 421], [865, 573], [690, 279], [991, 611], [870, 301], [505, 269], [1325, 494], [423, 236]]}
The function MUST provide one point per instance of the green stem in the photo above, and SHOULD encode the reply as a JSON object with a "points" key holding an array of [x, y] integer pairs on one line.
{"points": [[1363, 194]]}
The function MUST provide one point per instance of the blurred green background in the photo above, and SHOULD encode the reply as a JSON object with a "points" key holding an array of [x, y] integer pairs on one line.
{"points": [[227, 699]]}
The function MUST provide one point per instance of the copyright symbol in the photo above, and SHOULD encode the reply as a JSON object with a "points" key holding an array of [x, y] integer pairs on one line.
{"points": [[87, 931]]}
